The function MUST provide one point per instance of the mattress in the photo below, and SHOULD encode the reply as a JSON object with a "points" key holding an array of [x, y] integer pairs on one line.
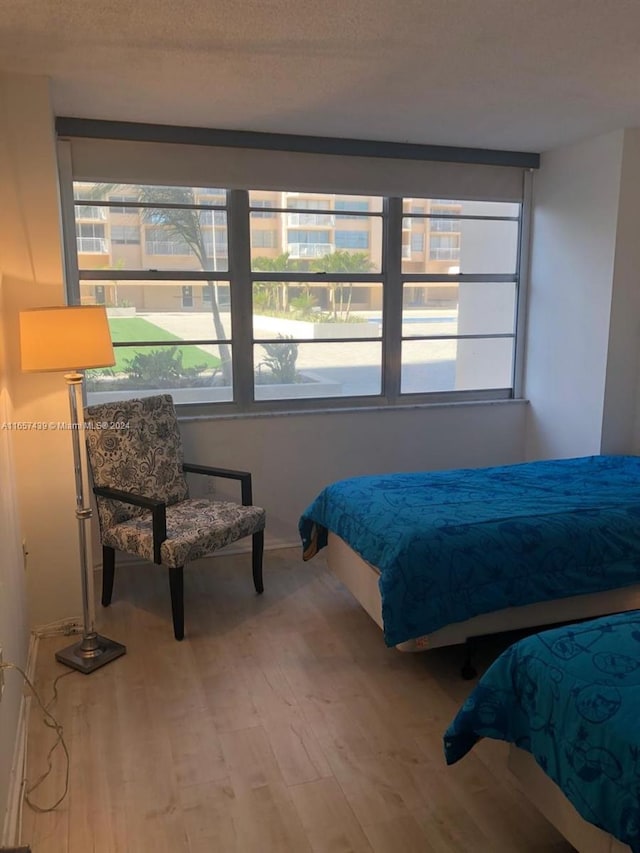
{"points": [[452, 545], [570, 697]]}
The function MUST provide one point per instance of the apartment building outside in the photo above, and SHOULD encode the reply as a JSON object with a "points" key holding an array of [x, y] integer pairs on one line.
{"points": [[300, 229]]}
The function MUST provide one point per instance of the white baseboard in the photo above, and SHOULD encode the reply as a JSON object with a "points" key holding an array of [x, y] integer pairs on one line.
{"points": [[13, 818]]}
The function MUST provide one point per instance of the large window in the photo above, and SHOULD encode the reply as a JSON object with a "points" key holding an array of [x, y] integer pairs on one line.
{"points": [[259, 299], [316, 305]]}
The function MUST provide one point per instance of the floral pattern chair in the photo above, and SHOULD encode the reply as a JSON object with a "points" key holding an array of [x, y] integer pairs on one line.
{"points": [[136, 461]]}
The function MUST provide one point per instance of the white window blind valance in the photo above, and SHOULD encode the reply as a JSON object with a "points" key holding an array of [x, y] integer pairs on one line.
{"points": [[125, 161]]}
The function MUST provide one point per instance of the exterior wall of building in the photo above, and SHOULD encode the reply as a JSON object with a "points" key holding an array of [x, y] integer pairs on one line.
{"points": [[119, 238]]}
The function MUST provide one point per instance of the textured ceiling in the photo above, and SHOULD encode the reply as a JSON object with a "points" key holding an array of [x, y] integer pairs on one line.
{"points": [[513, 74]]}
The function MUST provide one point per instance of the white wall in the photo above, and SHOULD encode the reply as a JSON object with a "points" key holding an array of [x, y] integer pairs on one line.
{"points": [[37, 497], [576, 198], [293, 457], [13, 602], [619, 433], [30, 249], [30, 252]]}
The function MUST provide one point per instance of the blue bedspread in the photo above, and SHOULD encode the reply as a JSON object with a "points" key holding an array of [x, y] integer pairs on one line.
{"points": [[453, 544], [570, 697]]}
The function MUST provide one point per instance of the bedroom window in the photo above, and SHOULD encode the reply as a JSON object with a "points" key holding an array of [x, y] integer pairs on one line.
{"points": [[147, 288], [309, 337], [459, 328], [334, 300]]}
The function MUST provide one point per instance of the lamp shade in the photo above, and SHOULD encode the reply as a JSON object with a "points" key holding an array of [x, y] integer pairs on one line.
{"points": [[73, 337]]}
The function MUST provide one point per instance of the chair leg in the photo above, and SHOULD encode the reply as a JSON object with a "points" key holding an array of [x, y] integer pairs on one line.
{"points": [[256, 559], [108, 572], [176, 585]]}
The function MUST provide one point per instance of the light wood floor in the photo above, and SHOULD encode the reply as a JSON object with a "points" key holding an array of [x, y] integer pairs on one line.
{"points": [[282, 724]]}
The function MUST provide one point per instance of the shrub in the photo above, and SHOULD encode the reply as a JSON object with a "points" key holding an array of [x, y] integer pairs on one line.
{"points": [[159, 367], [281, 360]]}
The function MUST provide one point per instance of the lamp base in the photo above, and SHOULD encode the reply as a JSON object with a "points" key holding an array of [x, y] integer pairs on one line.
{"points": [[104, 652]]}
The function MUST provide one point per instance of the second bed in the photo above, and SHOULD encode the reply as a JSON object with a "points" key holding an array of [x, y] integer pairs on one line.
{"points": [[438, 557]]}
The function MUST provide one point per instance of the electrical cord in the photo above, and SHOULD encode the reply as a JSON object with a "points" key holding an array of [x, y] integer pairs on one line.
{"points": [[49, 720]]}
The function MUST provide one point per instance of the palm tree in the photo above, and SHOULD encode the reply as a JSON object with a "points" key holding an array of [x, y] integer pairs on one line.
{"points": [[276, 299], [183, 223], [342, 261]]}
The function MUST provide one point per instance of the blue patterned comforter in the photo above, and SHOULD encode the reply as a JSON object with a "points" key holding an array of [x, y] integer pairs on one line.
{"points": [[570, 697], [453, 544]]}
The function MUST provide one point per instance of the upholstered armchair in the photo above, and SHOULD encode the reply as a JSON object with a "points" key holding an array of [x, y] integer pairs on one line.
{"points": [[136, 461]]}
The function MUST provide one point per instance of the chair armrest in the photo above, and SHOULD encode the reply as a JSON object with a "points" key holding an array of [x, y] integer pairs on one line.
{"points": [[229, 473], [158, 513]]}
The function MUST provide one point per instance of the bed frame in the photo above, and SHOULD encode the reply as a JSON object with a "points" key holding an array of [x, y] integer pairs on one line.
{"points": [[361, 579], [549, 799]]}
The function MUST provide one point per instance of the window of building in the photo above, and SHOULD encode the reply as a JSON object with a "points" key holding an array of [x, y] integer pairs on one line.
{"points": [[164, 241], [302, 324], [444, 247], [263, 214], [353, 205], [297, 236], [315, 203], [352, 239], [90, 238], [125, 234], [417, 241], [308, 244], [118, 209]]}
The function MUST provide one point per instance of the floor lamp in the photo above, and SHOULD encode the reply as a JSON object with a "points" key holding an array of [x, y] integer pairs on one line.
{"points": [[73, 338]]}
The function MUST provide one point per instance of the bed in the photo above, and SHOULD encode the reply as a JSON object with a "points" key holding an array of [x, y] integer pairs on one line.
{"points": [[567, 700], [439, 557]]}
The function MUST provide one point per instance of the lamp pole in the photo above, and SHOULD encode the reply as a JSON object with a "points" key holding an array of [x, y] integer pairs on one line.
{"points": [[93, 651]]}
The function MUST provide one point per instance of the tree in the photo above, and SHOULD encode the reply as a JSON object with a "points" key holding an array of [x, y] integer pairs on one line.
{"points": [[342, 261], [118, 264], [185, 224], [276, 292]]}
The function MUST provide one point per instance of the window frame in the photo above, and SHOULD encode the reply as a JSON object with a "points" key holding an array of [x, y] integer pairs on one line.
{"points": [[241, 279]]}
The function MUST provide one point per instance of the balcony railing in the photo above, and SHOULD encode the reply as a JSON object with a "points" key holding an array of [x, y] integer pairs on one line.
{"points": [[445, 225], [219, 217], [92, 245], [310, 250], [220, 250], [294, 219], [448, 254], [166, 247], [89, 211]]}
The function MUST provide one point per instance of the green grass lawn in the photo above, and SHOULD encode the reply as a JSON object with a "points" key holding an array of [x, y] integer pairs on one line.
{"points": [[125, 329]]}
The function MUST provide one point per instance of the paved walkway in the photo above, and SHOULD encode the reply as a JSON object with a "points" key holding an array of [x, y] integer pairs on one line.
{"points": [[427, 365]]}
